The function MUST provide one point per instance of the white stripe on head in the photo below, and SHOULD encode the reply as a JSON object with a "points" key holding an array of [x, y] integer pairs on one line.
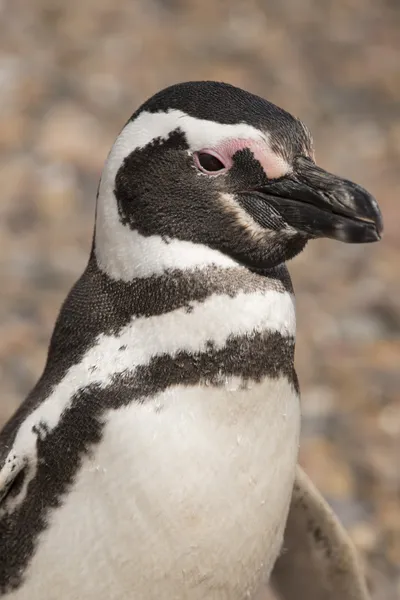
{"points": [[199, 133], [125, 254]]}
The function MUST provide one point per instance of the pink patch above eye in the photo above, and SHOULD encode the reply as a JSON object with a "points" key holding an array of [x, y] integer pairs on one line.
{"points": [[274, 165]]}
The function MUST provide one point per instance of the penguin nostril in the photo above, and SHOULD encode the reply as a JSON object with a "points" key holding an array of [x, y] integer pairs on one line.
{"points": [[208, 162]]}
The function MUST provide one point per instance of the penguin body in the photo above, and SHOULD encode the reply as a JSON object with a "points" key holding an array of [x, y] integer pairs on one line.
{"points": [[156, 456], [171, 416]]}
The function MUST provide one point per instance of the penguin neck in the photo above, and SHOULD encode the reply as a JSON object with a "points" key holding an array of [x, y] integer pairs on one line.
{"points": [[102, 303], [131, 276]]}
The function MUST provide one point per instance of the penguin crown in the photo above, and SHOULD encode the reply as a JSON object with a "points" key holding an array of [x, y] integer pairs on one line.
{"points": [[211, 165]]}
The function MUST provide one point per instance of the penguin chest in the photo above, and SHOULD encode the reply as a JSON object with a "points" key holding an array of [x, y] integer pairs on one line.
{"points": [[186, 496]]}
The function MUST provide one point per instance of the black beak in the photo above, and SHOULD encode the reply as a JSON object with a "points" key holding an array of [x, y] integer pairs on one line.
{"points": [[319, 204]]}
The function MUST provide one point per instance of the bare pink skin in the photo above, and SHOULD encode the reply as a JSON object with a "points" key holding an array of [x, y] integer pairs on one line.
{"points": [[274, 165]]}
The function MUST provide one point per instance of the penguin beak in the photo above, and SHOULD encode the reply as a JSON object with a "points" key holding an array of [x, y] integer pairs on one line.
{"points": [[320, 204]]}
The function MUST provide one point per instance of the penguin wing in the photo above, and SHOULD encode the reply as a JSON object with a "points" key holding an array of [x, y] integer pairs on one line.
{"points": [[10, 473], [16, 461], [318, 561]]}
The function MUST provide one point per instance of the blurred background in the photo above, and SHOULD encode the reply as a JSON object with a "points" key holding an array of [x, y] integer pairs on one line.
{"points": [[71, 73]]}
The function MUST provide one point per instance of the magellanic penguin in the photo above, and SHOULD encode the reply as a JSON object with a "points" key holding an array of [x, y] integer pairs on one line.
{"points": [[155, 458]]}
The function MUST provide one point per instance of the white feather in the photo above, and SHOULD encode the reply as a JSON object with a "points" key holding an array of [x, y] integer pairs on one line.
{"points": [[185, 497], [215, 319]]}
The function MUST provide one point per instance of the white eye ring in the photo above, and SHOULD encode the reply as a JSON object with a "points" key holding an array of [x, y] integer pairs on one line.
{"points": [[210, 162]]}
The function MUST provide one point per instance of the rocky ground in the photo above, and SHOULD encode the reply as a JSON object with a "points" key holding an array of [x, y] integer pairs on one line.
{"points": [[70, 75]]}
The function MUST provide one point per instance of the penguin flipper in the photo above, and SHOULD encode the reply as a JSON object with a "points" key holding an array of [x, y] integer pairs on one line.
{"points": [[318, 561], [11, 470]]}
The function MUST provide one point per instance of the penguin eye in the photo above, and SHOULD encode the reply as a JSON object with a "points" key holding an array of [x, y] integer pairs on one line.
{"points": [[208, 163]]}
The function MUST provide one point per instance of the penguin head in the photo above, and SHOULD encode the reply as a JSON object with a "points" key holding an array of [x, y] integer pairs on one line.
{"points": [[213, 165]]}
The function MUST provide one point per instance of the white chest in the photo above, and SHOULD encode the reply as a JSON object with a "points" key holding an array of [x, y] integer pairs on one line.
{"points": [[185, 497]]}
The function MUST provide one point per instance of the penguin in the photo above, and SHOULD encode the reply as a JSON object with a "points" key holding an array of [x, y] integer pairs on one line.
{"points": [[156, 457]]}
